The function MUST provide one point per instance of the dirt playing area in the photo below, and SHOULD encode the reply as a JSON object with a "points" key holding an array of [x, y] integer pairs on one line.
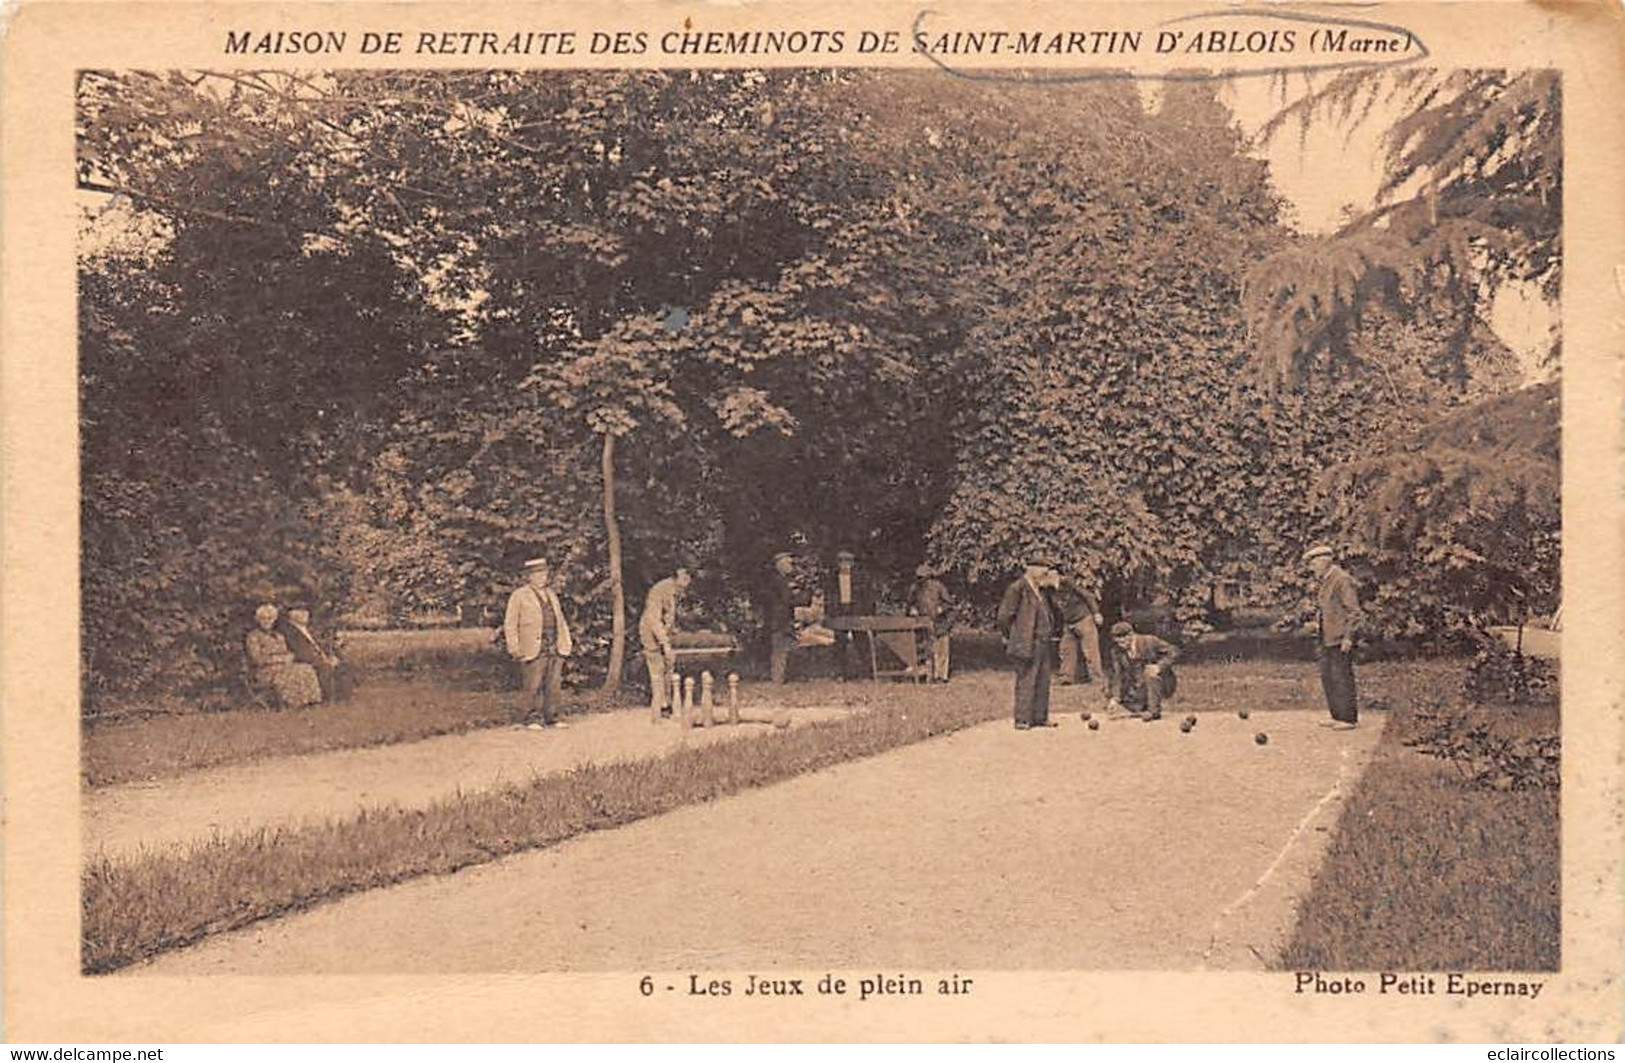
{"points": [[1134, 846]]}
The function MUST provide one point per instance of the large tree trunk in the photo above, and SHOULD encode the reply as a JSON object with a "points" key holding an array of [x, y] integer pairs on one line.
{"points": [[617, 593]]}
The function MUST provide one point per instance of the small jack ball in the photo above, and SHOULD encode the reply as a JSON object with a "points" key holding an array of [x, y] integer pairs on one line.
{"points": [[1261, 738], [1094, 725], [1243, 714]]}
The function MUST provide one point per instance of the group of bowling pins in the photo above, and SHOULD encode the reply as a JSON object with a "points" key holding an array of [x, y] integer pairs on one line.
{"points": [[683, 701]]}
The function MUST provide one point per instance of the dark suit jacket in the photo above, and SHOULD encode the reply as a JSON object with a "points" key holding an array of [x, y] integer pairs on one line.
{"points": [[1027, 620], [1142, 650], [304, 649], [1075, 602]]}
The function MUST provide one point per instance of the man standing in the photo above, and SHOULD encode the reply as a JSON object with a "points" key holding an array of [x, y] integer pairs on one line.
{"points": [[1028, 622], [931, 601], [655, 629], [1142, 671], [781, 615], [1080, 640], [538, 639], [1339, 620], [848, 595]]}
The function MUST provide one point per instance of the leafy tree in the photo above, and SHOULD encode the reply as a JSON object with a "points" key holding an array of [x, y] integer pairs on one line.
{"points": [[1451, 523], [1470, 200], [1461, 524], [473, 316]]}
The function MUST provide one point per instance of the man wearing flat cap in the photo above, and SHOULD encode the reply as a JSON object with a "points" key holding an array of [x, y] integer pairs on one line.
{"points": [[1027, 619], [1338, 609], [538, 639]]}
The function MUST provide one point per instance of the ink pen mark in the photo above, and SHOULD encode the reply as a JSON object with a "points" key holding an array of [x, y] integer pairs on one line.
{"points": [[1422, 52]]}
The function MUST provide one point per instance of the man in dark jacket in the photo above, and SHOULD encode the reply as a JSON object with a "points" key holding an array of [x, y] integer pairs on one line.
{"points": [[780, 615], [1142, 671], [1027, 619]]}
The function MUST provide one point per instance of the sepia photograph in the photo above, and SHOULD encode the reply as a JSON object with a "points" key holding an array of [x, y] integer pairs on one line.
{"points": [[690, 522]]}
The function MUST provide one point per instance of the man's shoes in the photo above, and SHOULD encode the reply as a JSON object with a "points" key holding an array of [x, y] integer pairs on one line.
{"points": [[1047, 723], [1024, 727], [1345, 725], [1149, 716], [533, 726], [560, 724]]}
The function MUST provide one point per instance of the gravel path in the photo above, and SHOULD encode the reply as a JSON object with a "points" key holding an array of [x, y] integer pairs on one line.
{"points": [[1132, 847]]}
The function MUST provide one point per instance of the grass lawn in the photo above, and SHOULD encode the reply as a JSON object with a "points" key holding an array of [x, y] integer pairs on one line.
{"points": [[444, 687], [1425, 873], [383, 711]]}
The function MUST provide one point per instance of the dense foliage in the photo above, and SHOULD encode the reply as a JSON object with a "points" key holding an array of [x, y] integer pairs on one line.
{"points": [[377, 336]]}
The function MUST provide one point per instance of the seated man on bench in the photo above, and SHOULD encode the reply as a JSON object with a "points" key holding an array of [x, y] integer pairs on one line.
{"points": [[331, 672]]}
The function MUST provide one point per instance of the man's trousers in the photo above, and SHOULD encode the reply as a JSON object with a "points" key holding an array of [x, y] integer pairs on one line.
{"points": [[541, 678], [1032, 689], [779, 655], [659, 679], [941, 647], [1082, 639]]}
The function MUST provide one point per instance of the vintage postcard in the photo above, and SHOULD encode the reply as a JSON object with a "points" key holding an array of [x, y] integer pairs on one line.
{"points": [[767, 521]]}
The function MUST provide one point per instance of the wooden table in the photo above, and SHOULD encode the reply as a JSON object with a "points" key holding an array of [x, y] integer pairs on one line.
{"points": [[894, 646]]}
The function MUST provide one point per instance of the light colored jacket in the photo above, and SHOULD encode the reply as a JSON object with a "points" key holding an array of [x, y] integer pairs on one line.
{"points": [[1339, 607], [659, 618], [523, 623]]}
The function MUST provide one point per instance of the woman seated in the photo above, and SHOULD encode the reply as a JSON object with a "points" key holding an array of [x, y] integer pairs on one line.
{"points": [[273, 664]]}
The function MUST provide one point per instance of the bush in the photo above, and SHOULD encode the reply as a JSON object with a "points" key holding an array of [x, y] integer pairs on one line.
{"points": [[1485, 755], [1498, 674]]}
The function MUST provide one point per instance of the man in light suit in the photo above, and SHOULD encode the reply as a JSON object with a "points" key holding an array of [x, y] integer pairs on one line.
{"points": [[538, 639], [1027, 618], [655, 629]]}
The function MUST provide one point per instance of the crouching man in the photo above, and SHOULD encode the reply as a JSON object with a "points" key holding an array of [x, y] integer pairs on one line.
{"points": [[1143, 671]]}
